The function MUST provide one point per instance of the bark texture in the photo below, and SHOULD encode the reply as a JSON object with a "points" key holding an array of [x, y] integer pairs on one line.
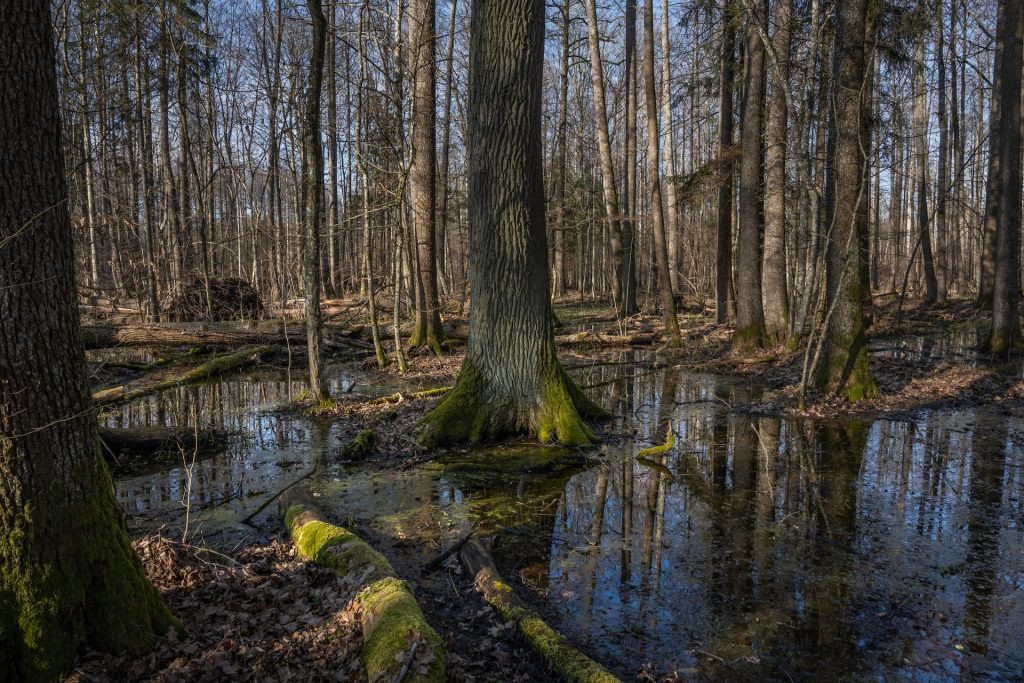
{"points": [[668, 306], [776, 293], [511, 380], [845, 368], [313, 194], [750, 331], [422, 171], [723, 262], [1006, 145], [68, 575]]}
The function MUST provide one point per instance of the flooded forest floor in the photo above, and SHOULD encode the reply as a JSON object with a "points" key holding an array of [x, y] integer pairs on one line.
{"points": [[769, 542]]}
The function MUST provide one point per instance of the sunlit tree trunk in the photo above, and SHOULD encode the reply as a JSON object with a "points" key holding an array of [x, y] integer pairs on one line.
{"points": [[423, 169], [611, 198], [511, 379], [312, 196], [668, 306], [750, 330]]}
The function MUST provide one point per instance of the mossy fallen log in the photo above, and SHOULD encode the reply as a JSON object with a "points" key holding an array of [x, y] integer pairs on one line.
{"points": [[392, 624], [213, 367], [569, 663], [399, 396]]}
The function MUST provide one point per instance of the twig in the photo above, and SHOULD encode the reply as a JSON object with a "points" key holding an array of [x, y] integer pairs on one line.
{"points": [[408, 660], [248, 520]]}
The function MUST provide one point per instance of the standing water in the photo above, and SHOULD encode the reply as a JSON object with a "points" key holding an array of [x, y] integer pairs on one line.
{"points": [[754, 548]]}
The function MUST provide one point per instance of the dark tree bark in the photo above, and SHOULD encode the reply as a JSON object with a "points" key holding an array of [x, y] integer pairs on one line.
{"points": [[511, 379], [723, 261], [558, 268], [943, 185], [627, 266], [1005, 188], [313, 199], [921, 147], [776, 294], [423, 168], [750, 330], [668, 306], [68, 575], [845, 369]]}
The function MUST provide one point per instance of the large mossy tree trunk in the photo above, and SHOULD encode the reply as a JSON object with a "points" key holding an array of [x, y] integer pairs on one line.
{"points": [[845, 369], [511, 380], [68, 575]]}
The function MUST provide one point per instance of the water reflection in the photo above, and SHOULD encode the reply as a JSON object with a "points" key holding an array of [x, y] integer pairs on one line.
{"points": [[266, 450], [768, 547]]}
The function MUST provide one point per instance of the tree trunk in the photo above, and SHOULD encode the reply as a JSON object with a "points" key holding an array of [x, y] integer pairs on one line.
{"points": [[943, 187], [776, 294], [312, 199], [1005, 191], [611, 198], [668, 305], [921, 145], [558, 272], [671, 199], [627, 268], [750, 330], [444, 274], [423, 169], [69, 578], [845, 369], [511, 379], [723, 261]]}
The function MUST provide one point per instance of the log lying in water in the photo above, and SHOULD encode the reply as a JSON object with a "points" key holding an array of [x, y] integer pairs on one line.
{"points": [[564, 659], [105, 335], [601, 339], [215, 366], [141, 442], [393, 626]]}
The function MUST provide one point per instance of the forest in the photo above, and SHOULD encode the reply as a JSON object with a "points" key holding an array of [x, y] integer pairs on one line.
{"points": [[511, 340]]}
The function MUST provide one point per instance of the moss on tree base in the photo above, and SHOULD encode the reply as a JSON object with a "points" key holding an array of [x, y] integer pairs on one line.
{"points": [[470, 413], [749, 338]]}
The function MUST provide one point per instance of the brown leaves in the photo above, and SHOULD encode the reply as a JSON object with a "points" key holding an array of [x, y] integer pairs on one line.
{"points": [[257, 614]]}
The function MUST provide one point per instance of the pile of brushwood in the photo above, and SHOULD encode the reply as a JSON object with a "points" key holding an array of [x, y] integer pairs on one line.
{"points": [[228, 298]]}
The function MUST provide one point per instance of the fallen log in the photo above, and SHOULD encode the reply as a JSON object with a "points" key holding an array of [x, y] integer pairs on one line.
{"points": [[569, 663], [144, 442], [105, 335], [217, 365], [398, 397], [588, 338], [394, 629]]}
